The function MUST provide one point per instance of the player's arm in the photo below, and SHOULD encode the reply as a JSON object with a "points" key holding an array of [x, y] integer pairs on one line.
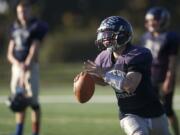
{"points": [[115, 78], [173, 49], [170, 74], [99, 80], [10, 55], [33, 52], [121, 81], [172, 66], [131, 81]]}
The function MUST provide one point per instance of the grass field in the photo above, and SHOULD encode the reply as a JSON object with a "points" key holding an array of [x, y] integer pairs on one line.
{"points": [[62, 115]]}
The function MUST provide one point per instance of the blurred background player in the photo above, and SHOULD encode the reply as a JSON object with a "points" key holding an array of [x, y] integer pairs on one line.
{"points": [[26, 35], [126, 68], [164, 47]]}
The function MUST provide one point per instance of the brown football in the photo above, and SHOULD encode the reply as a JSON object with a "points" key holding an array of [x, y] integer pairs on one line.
{"points": [[84, 87]]}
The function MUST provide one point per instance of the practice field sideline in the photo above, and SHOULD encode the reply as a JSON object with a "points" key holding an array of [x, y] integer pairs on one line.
{"points": [[95, 99]]}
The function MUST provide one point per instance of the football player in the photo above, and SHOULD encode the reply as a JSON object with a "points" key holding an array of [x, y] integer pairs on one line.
{"points": [[164, 48], [126, 68], [26, 35]]}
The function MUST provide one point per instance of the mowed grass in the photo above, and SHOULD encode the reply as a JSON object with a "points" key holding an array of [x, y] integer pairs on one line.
{"points": [[69, 118], [89, 119], [65, 118]]}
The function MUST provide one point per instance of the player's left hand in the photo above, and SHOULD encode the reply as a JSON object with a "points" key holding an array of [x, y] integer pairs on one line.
{"points": [[166, 86], [92, 68]]}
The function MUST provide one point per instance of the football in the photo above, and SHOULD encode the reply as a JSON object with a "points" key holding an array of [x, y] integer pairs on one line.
{"points": [[84, 87]]}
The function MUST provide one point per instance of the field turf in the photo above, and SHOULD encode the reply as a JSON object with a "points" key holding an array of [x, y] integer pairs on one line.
{"points": [[61, 114]]}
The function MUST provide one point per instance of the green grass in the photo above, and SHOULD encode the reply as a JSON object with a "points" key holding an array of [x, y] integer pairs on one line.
{"points": [[75, 119], [65, 118], [69, 118]]}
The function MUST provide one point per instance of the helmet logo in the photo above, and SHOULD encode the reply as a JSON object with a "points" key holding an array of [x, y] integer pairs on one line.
{"points": [[106, 26]]}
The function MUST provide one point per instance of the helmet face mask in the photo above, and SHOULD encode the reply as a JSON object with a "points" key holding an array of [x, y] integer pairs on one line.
{"points": [[109, 35], [106, 39], [113, 33]]}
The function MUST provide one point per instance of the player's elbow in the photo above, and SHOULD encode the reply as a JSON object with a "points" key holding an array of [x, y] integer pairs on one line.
{"points": [[131, 82]]}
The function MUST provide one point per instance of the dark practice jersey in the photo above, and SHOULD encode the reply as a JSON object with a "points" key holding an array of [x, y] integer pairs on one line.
{"points": [[24, 36], [143, 101], [163, 46]]}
